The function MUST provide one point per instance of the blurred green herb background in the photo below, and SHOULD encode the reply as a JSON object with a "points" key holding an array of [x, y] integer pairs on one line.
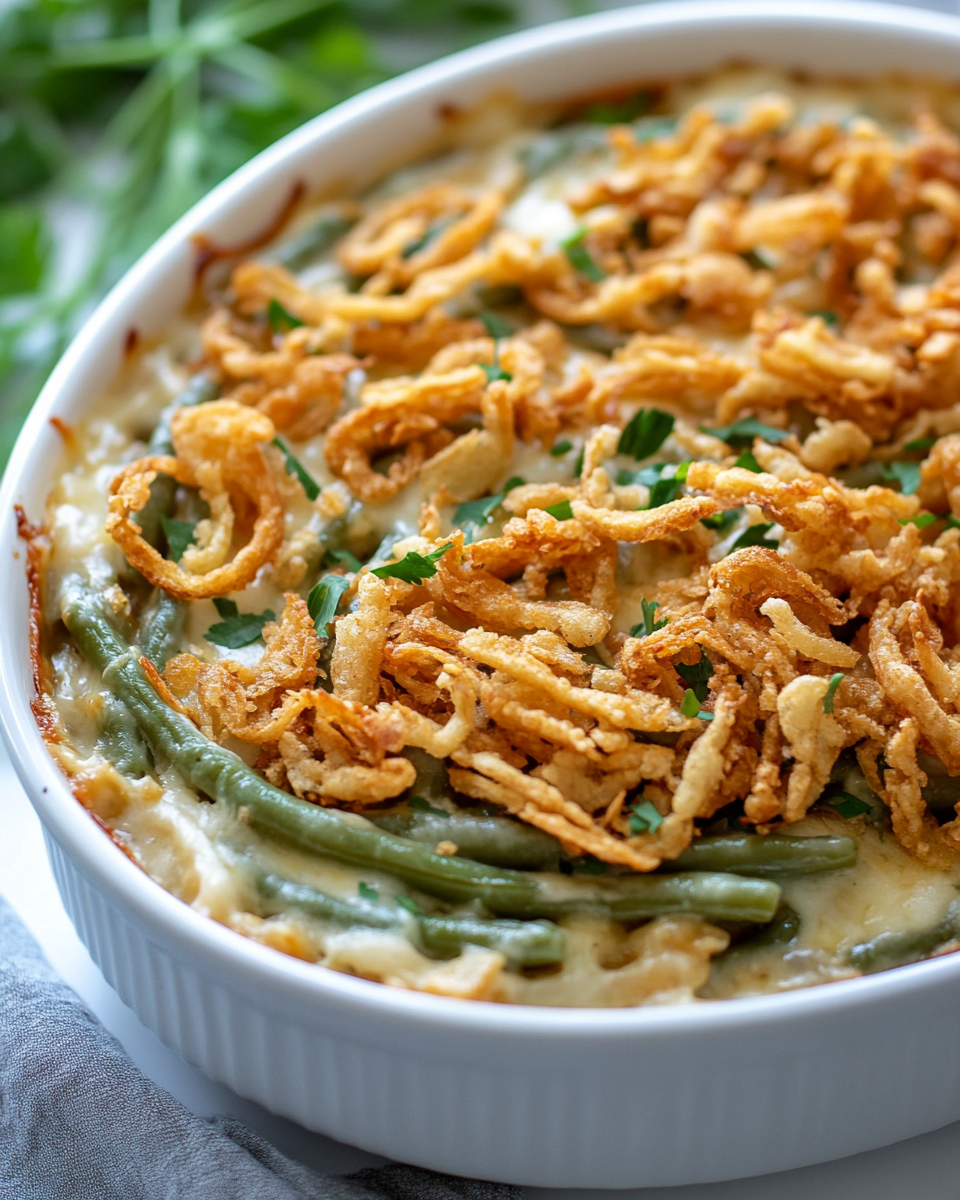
{"points": [[116, 115]]}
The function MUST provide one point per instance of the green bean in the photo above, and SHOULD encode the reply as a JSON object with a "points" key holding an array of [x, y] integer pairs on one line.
{"points": [[119, 739], [782, 931], [220, 774], [499, 841], [523, 943], [897, 949], [199, 390], [161, 628], [302, 248], [770, 856], [942, 789]]}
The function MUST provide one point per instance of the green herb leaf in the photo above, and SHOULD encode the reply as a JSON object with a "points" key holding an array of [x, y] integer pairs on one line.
{"points": [[690, 705], [697, 677], [922, 520], [827, 315], [421, 805], [742, 432], [410, 905], [413, 567], [295, 467], [756, 535], [472, 515], [281, 321], [578, 464], [179, 535], [495, 325], [722, 522], [644, 818], [513, 482], [757, 261], [562, 511], [645, 433], [648, 625], [831, 692], [237, 629], [342, 558], [922, 443], [747, 461], [580, 258], [367, 892], [324, 600], [561, 448], [619, 112], [495, 373], [430, 234], [907, 474], [668, 487], [846, 805]]}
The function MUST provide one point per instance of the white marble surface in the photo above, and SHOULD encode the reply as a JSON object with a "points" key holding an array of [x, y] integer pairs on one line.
{"points": [[926, 1168]]}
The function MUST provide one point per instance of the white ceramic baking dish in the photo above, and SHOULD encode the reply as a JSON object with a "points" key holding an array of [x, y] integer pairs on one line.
{"points": [[558, 1097]]}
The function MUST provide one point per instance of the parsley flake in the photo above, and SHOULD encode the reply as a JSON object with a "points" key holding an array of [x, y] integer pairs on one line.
{"points": [[179, 535], [413, 567], [495, 373], [648, 625], [578, 465], [410, 905], [748, 462], [847, 805], [472, 515], [495, 325], [921, 443], [580, 258], [668, 487], [295, 467], [742, 432], [237, 629], [907, 474], [281, 321], [644, 817], [562, 511], [756, 535], [827, 315], [561, 448], [342, 558], [756, 260], [323, 601], [367, 892], [619, 112], [513, 482], [697, 677], [645, 433], [831, 692], [922, 520], [722, 522], [430, 234], [421, 805]]}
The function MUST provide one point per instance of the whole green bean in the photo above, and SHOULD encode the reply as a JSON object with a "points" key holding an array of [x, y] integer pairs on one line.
{"points": [[771, 856], [220, 774], [499, 841], [782, 931], [119, 739], [523, 943], [897, 949], [161, 628]]}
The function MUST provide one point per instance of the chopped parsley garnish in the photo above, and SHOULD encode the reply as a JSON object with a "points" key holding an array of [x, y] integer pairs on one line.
{"points": [[742, 432], [367, 892], [342, 558], [578, 465], [748, 462], [827, 315], [923, 443], [907, 474], [179, 535], [846, 805], [323, 601], [410, 905], [645, 433], [430, 234], [495, 373], [648, 476], [561, 448], [512, 482], [697, 676], [644, 817], [580, 258], [619, 112], [690, 706], [472, 515], [722, 522], [756, 535], [281, 321], [237, 629], [922, 520], [756, 261], [495, 325], [421, 805], [649, 624], [562, 511], [831, 692], [413, 567], [295, 467], [668, 487]]}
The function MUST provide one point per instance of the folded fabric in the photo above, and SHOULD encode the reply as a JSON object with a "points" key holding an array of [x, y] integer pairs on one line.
{"points": [[79, 1121]]}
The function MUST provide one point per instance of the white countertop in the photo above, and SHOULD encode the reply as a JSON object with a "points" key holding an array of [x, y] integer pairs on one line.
{"points": [[925, 1168]]}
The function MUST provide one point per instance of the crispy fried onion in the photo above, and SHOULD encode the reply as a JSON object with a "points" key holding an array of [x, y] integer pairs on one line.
{"points": [[220, 450]]}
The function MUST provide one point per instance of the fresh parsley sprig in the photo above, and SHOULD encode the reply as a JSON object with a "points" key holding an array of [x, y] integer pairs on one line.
{"points": [[697, 676], [324, 600], [237, 629], [296, 468], [645, 433], [179, 535], [413, 567], [280, 319], [742, 432], [580, 258], [756, 535], [649, 624]]}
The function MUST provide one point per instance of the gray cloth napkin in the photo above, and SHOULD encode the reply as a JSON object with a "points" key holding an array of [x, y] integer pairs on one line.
{"points": [[78, 1121]]}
